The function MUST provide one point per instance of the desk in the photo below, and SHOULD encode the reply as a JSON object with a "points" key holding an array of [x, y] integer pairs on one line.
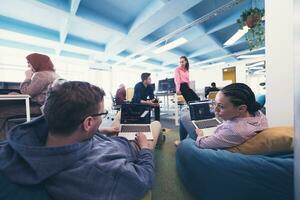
{"points": [[19, 97], [166, 95]]}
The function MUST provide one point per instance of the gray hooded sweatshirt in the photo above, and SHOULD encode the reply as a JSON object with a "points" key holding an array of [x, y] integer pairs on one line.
{"points": [[98, 168]]}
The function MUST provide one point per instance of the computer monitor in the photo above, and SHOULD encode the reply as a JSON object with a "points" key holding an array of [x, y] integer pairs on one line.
{"points": [[163, 85], [167, 85], [8, 87], [171, 85]]}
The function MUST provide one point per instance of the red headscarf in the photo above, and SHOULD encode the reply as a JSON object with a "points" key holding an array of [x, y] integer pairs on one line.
{"points": [[40, 62]]}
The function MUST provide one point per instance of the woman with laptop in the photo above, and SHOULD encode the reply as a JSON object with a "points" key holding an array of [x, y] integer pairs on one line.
{"points": [[182, 81], [242, 119]]}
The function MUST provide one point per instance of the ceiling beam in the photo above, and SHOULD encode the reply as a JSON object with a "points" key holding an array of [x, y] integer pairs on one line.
{"points": [[66, 25], [149, 21]]}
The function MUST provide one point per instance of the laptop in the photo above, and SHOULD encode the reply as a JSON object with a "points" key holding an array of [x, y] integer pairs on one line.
{"points": [[135, 118], [203, 117]]}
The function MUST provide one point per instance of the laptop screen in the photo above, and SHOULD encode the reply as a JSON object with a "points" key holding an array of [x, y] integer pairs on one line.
{"points": [[201, 110], [135, 114]]}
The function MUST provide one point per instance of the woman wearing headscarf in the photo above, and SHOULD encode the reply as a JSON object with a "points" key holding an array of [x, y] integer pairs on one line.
{"points": [[38, 77]]}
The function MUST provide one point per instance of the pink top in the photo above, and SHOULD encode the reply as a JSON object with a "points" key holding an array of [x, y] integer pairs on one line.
{"points": [[234, 132], [181, 76]]}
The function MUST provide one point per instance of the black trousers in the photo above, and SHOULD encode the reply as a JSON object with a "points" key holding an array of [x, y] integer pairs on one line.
{"points": [[187, 93], [157, 113]]}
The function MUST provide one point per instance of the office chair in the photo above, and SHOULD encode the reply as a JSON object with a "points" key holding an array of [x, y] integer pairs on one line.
{"points": [[212, 95], [114, 103]]}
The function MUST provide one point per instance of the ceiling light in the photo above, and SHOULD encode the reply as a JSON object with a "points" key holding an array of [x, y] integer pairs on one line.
{"points": [[260, 72], [137, 60], [256, 64], [257, 67], [170, 45], [240, 33], [251, 56]]}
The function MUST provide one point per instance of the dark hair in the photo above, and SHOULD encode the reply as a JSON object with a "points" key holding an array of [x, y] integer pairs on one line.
{"points": [[241, 94], [40, 62], [145, 76], [187, 65], [213, 84], [69, 103]]}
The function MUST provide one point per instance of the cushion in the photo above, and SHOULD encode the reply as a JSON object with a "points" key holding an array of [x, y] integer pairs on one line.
{"points": [[268, 141]]}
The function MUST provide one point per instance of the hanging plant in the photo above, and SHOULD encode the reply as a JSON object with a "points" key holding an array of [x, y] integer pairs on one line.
{"points": [[252, 18]]}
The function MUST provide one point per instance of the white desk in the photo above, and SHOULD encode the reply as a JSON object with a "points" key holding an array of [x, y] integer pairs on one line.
{"points": [[166, 95], [19, 97]]}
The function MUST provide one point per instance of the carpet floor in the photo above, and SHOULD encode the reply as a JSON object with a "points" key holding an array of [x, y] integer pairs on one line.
{"points": [[168, 185]]}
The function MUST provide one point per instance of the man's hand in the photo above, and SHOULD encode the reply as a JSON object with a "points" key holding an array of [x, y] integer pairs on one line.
{"points": [[178, 92], [142, 141], [28, 74], [150, 103], [154, 104], [199, 132]]}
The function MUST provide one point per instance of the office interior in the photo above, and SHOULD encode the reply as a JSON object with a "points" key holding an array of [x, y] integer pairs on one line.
{"points": [[112, 42]]}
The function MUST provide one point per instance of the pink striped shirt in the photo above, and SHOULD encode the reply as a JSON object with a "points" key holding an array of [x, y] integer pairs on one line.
{"points": [[181, 76], [234, 132]]}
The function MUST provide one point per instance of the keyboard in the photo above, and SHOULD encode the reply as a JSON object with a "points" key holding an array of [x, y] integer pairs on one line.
{"points": [[133, 128], [207, 123], [129, 131]]}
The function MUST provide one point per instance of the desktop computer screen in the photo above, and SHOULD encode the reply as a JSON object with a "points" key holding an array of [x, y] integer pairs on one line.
{"points": [[167, 85], [171, 85], [163, 85]]}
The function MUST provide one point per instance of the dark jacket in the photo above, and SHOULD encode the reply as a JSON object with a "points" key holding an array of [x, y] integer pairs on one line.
{"points": [[142, 93], [98, 168]]}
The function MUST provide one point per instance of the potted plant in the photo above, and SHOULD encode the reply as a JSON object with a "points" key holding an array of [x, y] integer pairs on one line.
{"points": [[252, 18]]}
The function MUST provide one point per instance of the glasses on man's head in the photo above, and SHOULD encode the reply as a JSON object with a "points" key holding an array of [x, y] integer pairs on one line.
{"points": [[102, 114]]}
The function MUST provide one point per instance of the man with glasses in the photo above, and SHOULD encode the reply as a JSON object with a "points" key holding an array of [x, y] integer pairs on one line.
{"points": [[62, 150]]}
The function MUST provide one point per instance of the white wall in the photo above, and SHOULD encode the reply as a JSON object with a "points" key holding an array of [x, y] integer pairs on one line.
{"points": [[126, 76], [279, 62], [207, 74]]}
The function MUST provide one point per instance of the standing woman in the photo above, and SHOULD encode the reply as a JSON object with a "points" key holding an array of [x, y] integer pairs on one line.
{"points": [[38, 77], [182, 81]]}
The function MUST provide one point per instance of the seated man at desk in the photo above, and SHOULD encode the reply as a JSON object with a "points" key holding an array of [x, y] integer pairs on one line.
{"points": [[143, 93]]}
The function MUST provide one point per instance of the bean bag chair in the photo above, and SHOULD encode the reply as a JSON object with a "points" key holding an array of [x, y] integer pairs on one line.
{"points": [[219, 174]]}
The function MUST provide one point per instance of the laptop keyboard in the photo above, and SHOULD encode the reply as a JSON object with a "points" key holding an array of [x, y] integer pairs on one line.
{"points": [[207, 123], [135, 128]]}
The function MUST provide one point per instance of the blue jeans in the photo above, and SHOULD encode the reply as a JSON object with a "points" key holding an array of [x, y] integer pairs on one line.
{"points": [[186, 126]]}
